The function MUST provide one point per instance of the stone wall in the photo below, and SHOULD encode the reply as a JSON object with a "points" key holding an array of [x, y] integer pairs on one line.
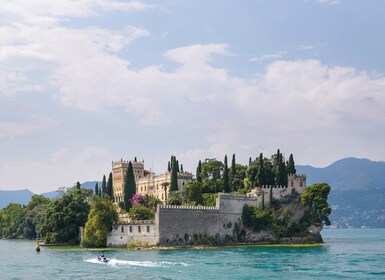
{"points": [[180, 225]]}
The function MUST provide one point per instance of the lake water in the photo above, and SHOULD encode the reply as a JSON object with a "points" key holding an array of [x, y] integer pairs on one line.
{"points": [[346, 254]]}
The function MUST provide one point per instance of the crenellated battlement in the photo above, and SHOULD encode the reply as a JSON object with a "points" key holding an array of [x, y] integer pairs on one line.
{"points": [[187, 207]]}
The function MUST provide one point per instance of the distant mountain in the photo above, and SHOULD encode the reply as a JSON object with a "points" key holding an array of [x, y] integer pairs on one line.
{"points": [[357, 191], [21, 196], [347, 174], [24, 196]]}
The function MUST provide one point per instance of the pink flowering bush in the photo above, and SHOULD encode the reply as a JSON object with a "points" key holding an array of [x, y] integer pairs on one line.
{"points": [[137, 199]]}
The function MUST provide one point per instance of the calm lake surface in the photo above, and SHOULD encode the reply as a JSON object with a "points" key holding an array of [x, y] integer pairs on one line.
{"points": [[346, 254]]}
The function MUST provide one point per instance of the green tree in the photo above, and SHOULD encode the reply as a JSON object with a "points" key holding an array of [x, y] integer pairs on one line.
{"points": [[291, 165], [129, 187], [316, 198], [192, 193], [211, 175], [64, 216], [174, 174], [110, 190], [199, 172], [101, 217], [226, 185], [78, 185], [12, 221], [34, 215], [104, 186], [139, 212], [97, 189], [233, 174], [261, 174]]}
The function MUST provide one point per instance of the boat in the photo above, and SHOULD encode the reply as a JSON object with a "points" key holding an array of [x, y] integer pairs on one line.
{"points": [[102, 258]]}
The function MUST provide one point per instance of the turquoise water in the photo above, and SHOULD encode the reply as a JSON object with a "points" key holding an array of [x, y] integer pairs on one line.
{"points": [[346, 254]]}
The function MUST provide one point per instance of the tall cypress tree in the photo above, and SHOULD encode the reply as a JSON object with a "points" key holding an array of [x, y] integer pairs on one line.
{"points": [[226, 185], [129, 187], [291, 165], [233, 174], [104, 186], [199, 172], [78, 185], [261, 177], [110, 190], [97, 189], [174, 175]]}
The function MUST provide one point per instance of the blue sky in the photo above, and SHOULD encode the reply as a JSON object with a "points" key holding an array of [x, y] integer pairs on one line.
{"points": [[85, 83]]}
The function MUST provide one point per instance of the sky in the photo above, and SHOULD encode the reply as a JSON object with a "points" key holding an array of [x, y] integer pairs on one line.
{"points": [[87, 82]]}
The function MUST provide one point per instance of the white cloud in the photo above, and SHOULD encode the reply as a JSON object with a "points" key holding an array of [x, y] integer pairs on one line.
{"points": [[47, 13], [331, 2], [34, 125], [272, 56]]}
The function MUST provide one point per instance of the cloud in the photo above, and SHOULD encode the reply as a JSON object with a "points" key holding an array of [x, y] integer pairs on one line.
{"points": [[47, 13], [81, 165], [272, 56], [34, 125], [331, 2]]}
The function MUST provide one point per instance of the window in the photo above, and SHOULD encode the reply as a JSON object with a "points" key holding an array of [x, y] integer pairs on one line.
{"points": [[148, 228], [122, 228], [130, 228], [139, 229]]}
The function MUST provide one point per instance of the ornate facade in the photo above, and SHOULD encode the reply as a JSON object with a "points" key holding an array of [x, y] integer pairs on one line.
{"points": [[146, 181]]}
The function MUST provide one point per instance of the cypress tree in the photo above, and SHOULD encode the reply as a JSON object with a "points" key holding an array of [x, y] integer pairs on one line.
{"points": [[169, 166], [263, 200], [271, 196], [174, 175], [261, 180], [110, 190], [97, 189], [104, 186], [129, 187], [177, 165], [199, 172], [78, 185], [291, 165], [233, 172], [226, 185]]}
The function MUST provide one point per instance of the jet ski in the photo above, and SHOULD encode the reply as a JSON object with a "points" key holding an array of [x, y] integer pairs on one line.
{"points": [[102, 258]]}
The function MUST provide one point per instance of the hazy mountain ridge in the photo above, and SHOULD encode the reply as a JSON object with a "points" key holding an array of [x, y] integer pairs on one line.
{"points": [[24, 196], [357, 191]]}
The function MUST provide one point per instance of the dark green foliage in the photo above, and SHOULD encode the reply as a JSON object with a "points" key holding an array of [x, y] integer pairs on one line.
{"points": [[256, 218], [139, 212], [192, 193], [209, 199], [199, 172], [174, 174], [78, 185], [64, 216], [279, 169], [129, 187], [290, 166], [12, 221], [315, 197], [110, 190], [226, 185], [104, 186], [211, 176], [34, 216], [97, 189], [233, 174], [174, 198], [100, 219]]}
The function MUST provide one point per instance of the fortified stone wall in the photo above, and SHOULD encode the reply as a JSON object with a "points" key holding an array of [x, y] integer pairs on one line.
{"points": [[179, 225]]}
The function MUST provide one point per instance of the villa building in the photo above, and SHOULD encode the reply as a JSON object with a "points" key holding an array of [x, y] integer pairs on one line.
{"points": [[147, 182]]}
